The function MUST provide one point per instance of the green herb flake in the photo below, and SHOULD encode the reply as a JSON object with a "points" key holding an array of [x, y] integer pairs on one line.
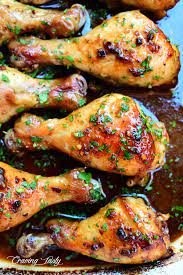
{"points": [[36, 139], [20, 110], [31, 185], [81, 102], [20, 190], [127, 155], [8, 195], [105, 227], [79, 134], [57, 230], [124, 107], [108, 212], [71, 118], [85, 176], [5, 78]]}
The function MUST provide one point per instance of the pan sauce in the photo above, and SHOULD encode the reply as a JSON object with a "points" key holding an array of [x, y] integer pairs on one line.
{"points": [[165, 192]]}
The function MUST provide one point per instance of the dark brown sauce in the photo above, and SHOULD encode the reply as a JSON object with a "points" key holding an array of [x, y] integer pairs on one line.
{"points": [[166, 190]]}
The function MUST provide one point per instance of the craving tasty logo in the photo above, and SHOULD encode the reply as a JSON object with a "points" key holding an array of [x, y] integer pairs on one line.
{"points": [[36, 262]]}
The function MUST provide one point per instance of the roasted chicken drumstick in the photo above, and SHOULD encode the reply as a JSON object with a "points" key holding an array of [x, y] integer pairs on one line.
{"points": [[17, 18], [111, 134], [20, 92], [24, 194], [126, 49], [125, 231]]}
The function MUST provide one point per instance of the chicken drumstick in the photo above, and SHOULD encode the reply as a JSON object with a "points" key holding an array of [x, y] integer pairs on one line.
{"points": [[125, 231], [111, 134], [20, 92], [24, 194], [126, 49], [17, 18]]}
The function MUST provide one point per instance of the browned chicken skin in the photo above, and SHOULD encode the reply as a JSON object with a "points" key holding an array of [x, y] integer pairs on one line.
{"points": [[20, 92], [125, 231], [23, 194], [128, 49], [111, 134], [17, 18]]}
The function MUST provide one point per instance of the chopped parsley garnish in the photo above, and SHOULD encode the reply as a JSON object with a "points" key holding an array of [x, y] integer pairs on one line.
{"points": [[105, 227], [124, 107], [36, 139], [20, 110], [81, 102], [79, 134], [31, 185], [127, 155], [94, 144], [108, 212], [5, 78], [93, 118], [96, 194], [85, 176]]}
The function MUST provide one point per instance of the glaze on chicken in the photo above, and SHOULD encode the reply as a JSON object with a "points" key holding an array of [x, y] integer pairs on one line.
{"points": [[128, 49], [17, 18], [125, 231], [20, 92], [111, 134], [23, 194]]}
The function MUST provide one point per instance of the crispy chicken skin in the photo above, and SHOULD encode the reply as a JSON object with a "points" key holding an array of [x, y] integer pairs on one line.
{"points": [[23, 194], [125, 231], [20, 92], [151, 5], [111, 134], [128, 49], [17, 18]]}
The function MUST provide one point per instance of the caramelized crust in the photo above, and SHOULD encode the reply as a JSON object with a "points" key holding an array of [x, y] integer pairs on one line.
{"points": [[125, 231], [111, 134], [128, 49], [23, 194]]}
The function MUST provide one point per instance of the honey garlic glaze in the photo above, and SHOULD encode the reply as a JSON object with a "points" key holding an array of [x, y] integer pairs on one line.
{"points": [[165, 189]]}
